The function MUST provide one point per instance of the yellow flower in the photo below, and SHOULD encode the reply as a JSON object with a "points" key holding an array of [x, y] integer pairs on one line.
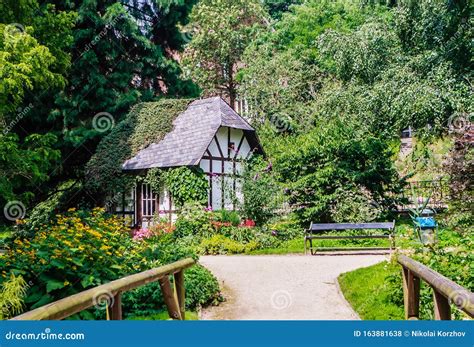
{"points": [[66, 283]]}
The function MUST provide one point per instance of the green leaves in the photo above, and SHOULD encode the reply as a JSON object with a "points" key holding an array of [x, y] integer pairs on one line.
{"points": [[187, 185], [53, 285]]}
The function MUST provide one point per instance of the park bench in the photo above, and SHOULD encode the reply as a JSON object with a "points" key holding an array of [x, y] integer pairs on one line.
{"points": [[316, 232]]}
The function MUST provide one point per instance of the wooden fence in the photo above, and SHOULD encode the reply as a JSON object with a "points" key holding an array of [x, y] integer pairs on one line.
{"points": [[111, 293], [445, 291]]}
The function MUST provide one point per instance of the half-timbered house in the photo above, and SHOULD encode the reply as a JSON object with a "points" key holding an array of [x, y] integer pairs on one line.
{"points": [[209, 134]]}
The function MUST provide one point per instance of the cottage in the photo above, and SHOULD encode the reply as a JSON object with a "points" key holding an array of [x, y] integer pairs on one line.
{"points": [[209, 134]]}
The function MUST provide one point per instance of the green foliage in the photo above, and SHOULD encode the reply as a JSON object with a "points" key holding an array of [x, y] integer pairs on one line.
{"points": [[227, 216], [201, 289], [219, 244], [362, 54], [276, 8], [25, 164], [77, 251], [221, 32], [354, 205], [12, 294], [187, 185], [146, 123], [83, 249], [460, 166], [260, 191], [193, 220], [336, 155]]}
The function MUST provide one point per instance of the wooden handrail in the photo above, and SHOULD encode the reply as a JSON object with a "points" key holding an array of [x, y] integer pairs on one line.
{"points": [[110, 293], [445, 291]]}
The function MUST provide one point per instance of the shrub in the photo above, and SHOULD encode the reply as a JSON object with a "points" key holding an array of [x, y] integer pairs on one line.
{"points": [[193, 220], [284, 230], [12, 294], [354, 205], [219, 244], [201, 289], [77, 251], [187, 185], [260, 191], [226, 216]]}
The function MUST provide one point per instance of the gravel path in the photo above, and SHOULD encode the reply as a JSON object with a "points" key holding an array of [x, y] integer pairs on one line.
{"points": [[283, 287]]}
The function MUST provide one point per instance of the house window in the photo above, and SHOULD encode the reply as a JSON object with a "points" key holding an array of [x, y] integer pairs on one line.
{"points": [[148, 201]]}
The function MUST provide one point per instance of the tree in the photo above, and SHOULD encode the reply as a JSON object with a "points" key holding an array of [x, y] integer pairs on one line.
{"points": [[33, 60], [339, 155], [222, 30], [123, 53]]}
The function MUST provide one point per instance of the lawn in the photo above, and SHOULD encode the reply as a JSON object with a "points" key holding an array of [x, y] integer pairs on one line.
{"points": [[370, 294]]}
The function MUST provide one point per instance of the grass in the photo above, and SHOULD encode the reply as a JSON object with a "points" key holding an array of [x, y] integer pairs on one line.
{"points": [[163, 315], [367, 291]]}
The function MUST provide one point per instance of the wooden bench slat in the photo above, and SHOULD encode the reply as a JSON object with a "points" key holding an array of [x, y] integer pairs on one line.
{"points": [[349, 237], [346, 226], [336, 249]]}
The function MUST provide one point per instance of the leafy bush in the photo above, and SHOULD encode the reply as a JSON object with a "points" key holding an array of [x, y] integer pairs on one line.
{"points": [[79, 250], [193, 220], [12, 294], [187, 185], [260, 191], [354, 205], [226, 216], [340, 153], [201, 289], [219, 244]]}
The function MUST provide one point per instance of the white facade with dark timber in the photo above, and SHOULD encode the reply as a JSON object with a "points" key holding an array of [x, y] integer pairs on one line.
{"points": [[209, 135]]}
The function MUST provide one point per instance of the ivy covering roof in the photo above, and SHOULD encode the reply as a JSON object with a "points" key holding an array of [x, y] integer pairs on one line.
{"points": [[190, 136]]}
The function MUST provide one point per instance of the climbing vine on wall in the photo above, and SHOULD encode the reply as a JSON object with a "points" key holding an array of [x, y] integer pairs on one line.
{"points": [[186, 185], [146, 123]]}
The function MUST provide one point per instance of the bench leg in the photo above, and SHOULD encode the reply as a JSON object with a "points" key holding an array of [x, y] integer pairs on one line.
{"points": [[311, 246], [305, 251]]}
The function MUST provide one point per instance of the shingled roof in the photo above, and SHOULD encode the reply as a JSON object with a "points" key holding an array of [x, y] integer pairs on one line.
{"points": [[192, 133]]}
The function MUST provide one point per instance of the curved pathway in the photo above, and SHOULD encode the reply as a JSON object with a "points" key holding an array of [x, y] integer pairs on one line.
{"points": [[283, 286]]}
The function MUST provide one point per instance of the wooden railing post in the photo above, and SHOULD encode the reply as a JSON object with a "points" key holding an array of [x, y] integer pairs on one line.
{"points": [[411, 294], [114, 308], [170, 298], [180, 292], [442, 309]]}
